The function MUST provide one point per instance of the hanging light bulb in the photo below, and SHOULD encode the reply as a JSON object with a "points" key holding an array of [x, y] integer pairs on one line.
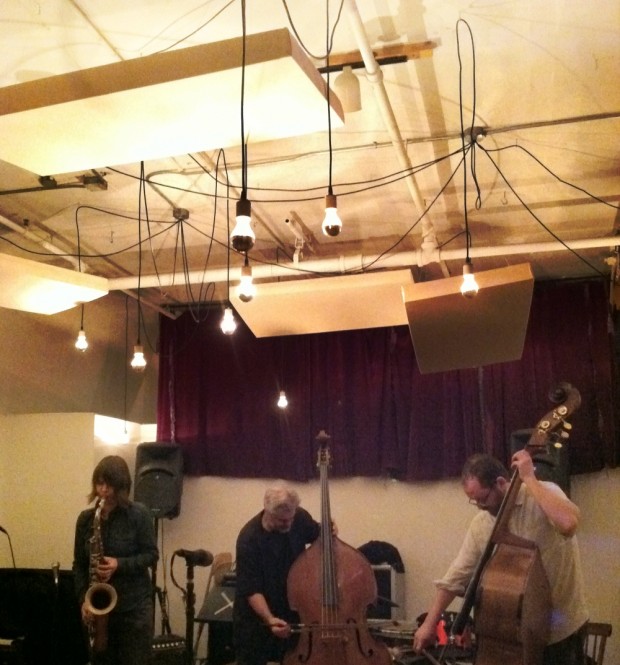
{"points": [[282, 401], [138, 362], [469, 287], [228, 324], [81, 343], [332, 224], [242, 237], [246, 289]]}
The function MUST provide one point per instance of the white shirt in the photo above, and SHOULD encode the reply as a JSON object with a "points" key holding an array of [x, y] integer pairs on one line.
{"points": [[560, 558]]}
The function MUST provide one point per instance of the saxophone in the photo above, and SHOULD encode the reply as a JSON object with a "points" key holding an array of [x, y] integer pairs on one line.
{"points": [[100, 598]]}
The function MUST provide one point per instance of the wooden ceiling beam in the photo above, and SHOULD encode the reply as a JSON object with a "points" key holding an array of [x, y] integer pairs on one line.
{"points": [[391, 54]]}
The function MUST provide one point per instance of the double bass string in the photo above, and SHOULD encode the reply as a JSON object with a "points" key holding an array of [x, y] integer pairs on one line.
{"points": [[329, 591], [305, 628]]}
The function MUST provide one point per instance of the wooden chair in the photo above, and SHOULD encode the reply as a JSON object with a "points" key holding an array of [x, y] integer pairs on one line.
{"points": [[595, 642], [222, 563]]}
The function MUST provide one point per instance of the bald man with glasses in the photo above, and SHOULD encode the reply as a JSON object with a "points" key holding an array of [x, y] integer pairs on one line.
{"points": [[543, 514]]}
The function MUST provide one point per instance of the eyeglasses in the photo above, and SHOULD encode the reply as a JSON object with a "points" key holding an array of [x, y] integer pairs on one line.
{"points": [[482, 503]]}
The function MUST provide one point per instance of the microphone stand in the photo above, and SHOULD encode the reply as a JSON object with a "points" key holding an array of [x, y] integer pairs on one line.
{"points": [[10, 545], [190, 604], [55, 613], [195, 558]]}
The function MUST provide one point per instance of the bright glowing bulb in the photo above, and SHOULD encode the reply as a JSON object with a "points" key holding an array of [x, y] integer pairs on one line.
{"points": [[242, 236], [282, 401], [228, 324], [81, 343], [246, 289], [332, 224], [138, 362], [469, 287]]}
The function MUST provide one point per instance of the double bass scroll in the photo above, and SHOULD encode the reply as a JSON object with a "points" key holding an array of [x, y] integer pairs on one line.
{"points": [[330, 586]]}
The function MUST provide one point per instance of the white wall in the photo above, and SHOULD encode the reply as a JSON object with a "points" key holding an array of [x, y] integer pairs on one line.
{"points": [[46, 462]]}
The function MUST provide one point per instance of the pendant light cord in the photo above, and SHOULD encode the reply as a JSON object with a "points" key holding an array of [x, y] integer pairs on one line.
{"points": [[328, 47], [244, 155], [464, 148], [142, 194], [79, 258]]}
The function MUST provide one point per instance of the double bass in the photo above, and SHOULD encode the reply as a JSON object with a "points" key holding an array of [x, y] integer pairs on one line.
{"points": [[509, 590], [330, 586]]}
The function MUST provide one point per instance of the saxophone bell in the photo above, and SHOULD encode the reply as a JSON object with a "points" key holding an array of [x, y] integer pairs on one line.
{"points": [[100, 598]]}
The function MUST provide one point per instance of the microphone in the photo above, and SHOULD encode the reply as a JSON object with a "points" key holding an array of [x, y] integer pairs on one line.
{"points": [[56, 573], [196, 557]]}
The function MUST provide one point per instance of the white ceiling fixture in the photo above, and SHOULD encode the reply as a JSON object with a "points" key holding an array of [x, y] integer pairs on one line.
{"points": [[166, 104]]}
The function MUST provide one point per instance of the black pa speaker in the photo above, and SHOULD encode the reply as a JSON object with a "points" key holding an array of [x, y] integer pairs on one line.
{"points": [[159, 478], [550, 465]]}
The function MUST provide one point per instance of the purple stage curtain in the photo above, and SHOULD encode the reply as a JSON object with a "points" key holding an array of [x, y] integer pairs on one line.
{"points": [[217, 395]]}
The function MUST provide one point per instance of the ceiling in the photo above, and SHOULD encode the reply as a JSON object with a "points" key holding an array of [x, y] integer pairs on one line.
{"points": [[533, 85]]}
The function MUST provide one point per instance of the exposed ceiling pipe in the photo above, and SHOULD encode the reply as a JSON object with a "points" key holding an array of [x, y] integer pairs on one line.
{"points": [[375, 77], [24, 231], [357, 263]]}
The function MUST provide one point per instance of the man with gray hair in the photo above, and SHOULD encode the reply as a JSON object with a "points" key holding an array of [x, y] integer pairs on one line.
{"points": [[266, 548]]}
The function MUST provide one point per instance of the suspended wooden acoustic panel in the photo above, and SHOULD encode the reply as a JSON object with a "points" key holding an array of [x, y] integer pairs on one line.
{"points": [[451, 332]]}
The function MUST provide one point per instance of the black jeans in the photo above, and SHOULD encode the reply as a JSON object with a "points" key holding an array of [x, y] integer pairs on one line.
{"points": [[568, 651], [130, 638]]}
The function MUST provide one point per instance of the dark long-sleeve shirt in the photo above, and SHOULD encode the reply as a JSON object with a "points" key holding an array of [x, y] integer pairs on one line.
{"points": [[263, 561], [128, 535]]}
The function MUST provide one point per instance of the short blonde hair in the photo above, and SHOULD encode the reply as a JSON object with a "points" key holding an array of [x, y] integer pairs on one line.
{"points": [[281, 500]]}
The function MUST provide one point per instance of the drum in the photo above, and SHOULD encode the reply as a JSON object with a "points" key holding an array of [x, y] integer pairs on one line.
{"points": [[396, 635], [392, 633]]}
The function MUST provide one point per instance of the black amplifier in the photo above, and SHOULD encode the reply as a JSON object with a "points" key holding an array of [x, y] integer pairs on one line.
{"points": [[168, 650]]}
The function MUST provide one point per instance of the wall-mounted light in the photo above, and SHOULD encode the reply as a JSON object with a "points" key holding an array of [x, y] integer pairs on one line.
{"points": [[347, 87]]}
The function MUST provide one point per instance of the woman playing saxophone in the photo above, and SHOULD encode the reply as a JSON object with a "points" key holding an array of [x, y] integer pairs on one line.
{"points": [[115, 545]]}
